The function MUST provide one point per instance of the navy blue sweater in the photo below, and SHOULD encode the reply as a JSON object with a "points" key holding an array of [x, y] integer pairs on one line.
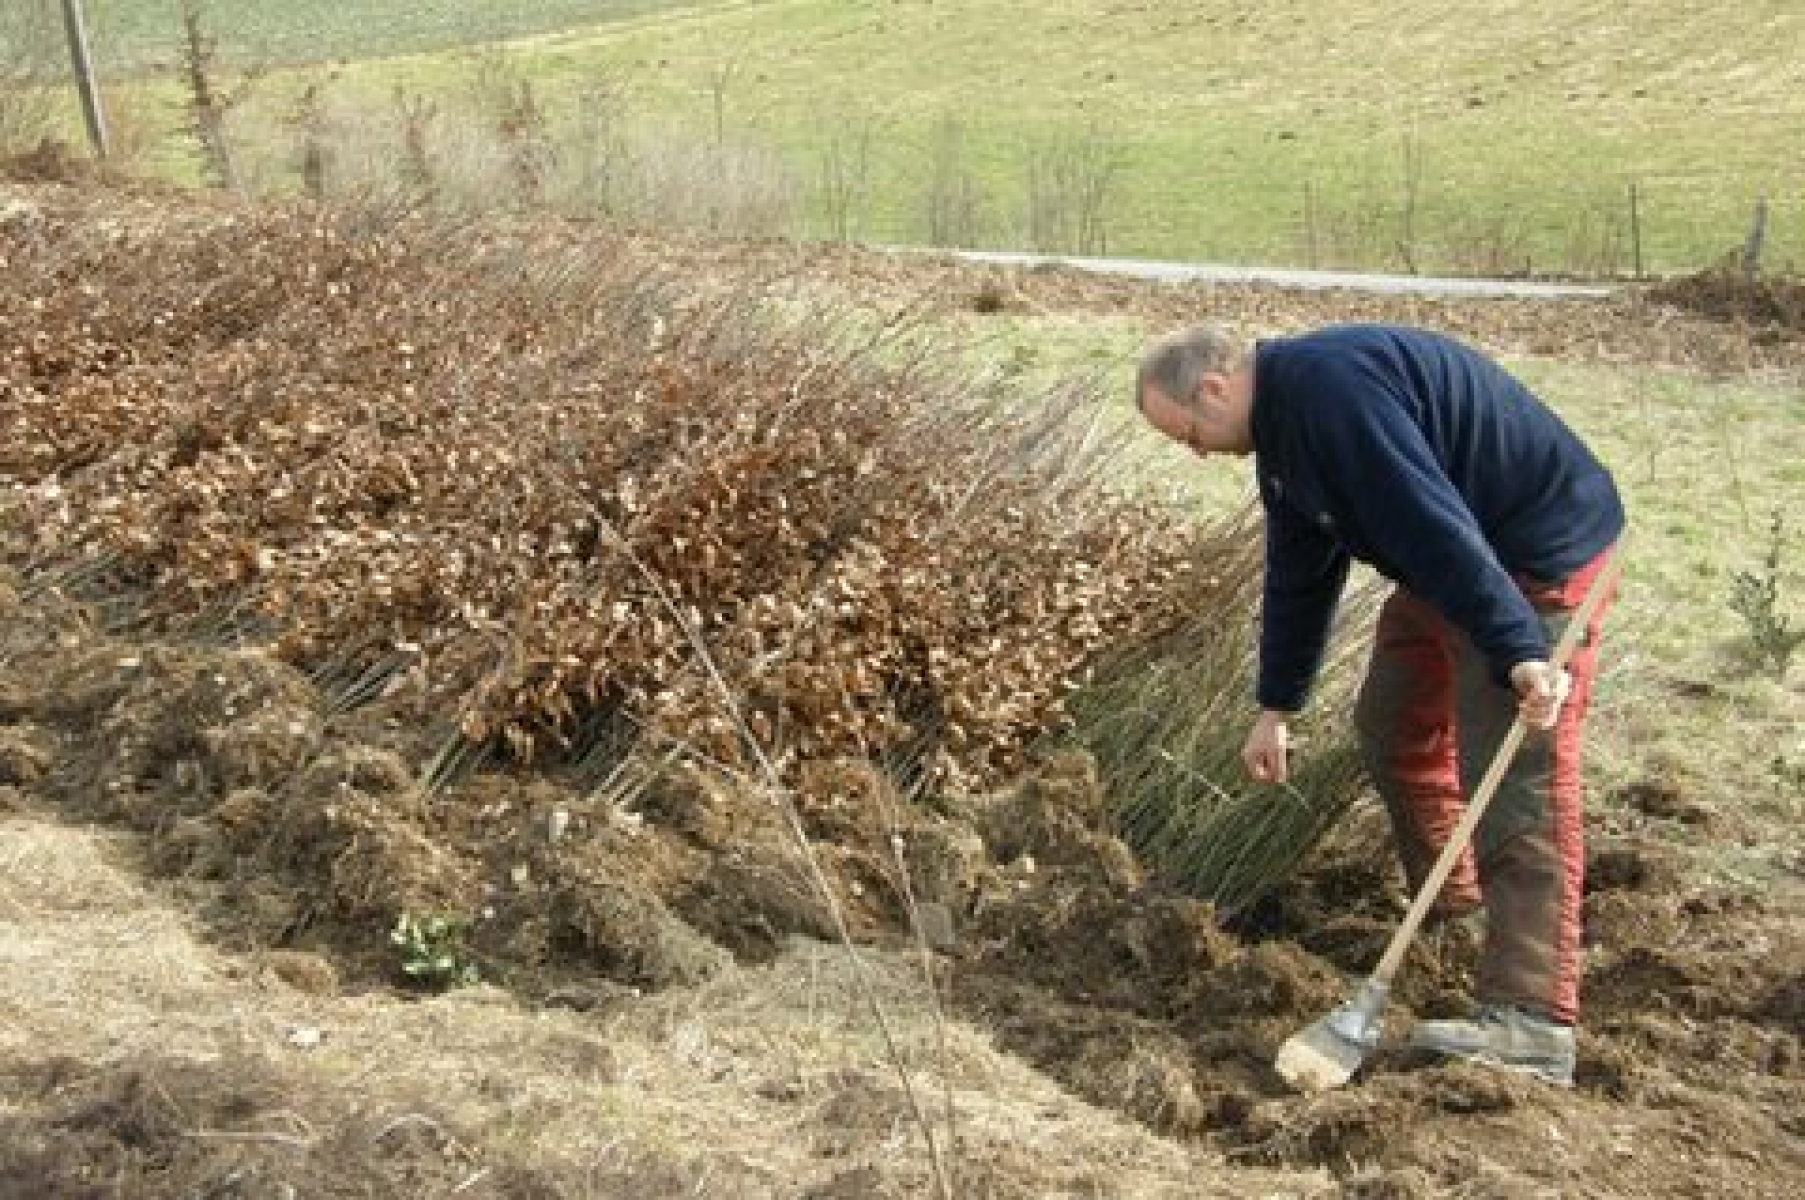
{"points": [[1412, 452]]}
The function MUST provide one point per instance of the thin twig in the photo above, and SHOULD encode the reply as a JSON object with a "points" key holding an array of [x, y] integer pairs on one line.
{"points": [[226, 1135], [471, 1182]]}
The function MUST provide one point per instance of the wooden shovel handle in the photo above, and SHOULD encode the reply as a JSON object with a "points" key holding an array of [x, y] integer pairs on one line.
{"points": [[1494, 774]]}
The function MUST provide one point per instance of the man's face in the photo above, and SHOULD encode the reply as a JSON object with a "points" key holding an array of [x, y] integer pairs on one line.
{"points": [[1199, 425]]}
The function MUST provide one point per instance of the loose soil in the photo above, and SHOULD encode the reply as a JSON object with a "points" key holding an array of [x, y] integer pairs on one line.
{"points": [[203, 861], [202, 857]]}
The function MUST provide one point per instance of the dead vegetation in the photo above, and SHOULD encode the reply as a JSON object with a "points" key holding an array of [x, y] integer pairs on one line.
{"points": [[534, 487], [1769, 307]]}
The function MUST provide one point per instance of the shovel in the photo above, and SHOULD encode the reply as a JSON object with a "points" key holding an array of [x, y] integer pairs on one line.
{"points": [[1326, 1054]]}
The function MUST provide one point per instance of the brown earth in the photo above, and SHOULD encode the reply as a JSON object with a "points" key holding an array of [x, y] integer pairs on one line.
{"points": [[202, 857], [199, 868], [659, 979]]}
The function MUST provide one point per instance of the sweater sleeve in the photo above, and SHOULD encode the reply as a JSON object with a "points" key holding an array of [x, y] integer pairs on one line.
{"points": [[1305, 573], [1389, 483]]}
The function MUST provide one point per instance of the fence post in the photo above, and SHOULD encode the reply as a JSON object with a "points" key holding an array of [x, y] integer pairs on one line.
{"points": [[1313, 248], [1753, 245], [76, 29], [1636, 229]]}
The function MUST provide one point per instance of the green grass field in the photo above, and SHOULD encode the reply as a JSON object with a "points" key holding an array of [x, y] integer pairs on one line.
{"points": [[134, 34], [1451, 135], [1433, 135], [1702, 466]]}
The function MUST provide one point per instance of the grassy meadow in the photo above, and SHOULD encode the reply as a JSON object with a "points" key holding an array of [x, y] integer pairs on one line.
{"points": [[1415, 134], [137, 34], [1704, 465]]}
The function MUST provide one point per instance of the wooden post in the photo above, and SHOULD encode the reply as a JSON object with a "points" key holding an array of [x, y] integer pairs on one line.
{"points": [[1312, 247], [76, 29], [1753, 245], [1636, 229]]}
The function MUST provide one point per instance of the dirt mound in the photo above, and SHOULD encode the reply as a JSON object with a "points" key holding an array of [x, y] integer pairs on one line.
{"points": [[302, 827], [300, 833], [52, 160], [190, 1072], [1148, 1004], [1769, 304]]}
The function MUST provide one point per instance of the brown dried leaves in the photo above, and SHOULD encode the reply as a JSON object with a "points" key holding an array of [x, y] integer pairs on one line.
{"points": [[550, 491]]}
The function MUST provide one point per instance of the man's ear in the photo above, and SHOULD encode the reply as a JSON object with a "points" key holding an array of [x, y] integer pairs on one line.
{"points": [[1212, 389]]}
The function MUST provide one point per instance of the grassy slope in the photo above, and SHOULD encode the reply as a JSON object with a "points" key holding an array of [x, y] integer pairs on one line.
{"points": [[1703, 465], [1530, 119], [137, 32], [1271, 133]]}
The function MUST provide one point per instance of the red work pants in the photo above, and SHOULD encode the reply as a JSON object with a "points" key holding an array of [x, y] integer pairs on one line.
{"points": [[1430, 718]]}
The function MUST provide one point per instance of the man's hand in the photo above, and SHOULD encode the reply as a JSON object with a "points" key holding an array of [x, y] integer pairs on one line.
{"points": [[1541, 690], [1266, 745]]}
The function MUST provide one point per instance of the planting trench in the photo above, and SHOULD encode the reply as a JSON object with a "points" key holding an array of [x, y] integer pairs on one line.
{"points": [[287, 827]]}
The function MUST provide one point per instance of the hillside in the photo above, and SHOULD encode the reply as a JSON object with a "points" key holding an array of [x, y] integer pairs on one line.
{"points": [[138, 34], [1468, 136]]}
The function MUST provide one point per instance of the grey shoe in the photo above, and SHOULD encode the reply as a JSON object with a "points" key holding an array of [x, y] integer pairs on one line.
{"points": [[1504, 1036]]}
